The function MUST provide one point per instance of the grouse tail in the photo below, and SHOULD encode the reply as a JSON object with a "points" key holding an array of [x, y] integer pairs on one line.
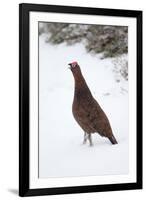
{"points": [[113, 140]]}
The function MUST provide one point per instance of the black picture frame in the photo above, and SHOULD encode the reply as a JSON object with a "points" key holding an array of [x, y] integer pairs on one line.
{"points": [[24, 187]]}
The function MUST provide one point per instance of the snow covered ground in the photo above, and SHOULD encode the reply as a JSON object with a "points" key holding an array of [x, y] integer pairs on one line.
{"points": [[61, 152]]}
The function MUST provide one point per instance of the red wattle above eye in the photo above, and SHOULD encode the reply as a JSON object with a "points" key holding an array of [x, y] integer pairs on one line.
{"points": [[74, 63]]}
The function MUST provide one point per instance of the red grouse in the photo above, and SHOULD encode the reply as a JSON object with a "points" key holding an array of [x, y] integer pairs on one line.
{"points": [[86, 111]]}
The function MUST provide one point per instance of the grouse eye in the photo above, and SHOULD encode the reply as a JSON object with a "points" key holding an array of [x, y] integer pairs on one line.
{"points": [[74, 65]]}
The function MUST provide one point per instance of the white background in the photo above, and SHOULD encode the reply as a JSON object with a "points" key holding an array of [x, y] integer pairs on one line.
{"points": [[9, 98]]}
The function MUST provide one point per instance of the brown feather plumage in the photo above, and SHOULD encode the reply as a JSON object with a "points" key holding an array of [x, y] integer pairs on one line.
{"points": [[86, 111]]}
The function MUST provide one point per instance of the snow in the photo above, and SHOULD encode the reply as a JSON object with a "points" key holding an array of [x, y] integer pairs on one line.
{"points": [[61, 152]]}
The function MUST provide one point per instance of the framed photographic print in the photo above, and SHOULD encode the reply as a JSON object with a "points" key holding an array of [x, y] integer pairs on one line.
{"points": [[80, 99]]}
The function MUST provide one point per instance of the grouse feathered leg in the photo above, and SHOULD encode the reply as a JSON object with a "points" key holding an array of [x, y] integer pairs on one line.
{"points": [[85, 138], [90, 139]]}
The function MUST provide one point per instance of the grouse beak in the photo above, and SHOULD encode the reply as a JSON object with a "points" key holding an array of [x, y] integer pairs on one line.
{"points": [[69, 66]]}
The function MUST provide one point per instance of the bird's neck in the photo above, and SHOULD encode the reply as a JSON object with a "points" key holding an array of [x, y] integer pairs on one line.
{"points": [[81, 85], [79, 80]]}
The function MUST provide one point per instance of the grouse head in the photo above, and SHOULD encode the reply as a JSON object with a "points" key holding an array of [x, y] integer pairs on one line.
{"points": [[75, 68]]}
